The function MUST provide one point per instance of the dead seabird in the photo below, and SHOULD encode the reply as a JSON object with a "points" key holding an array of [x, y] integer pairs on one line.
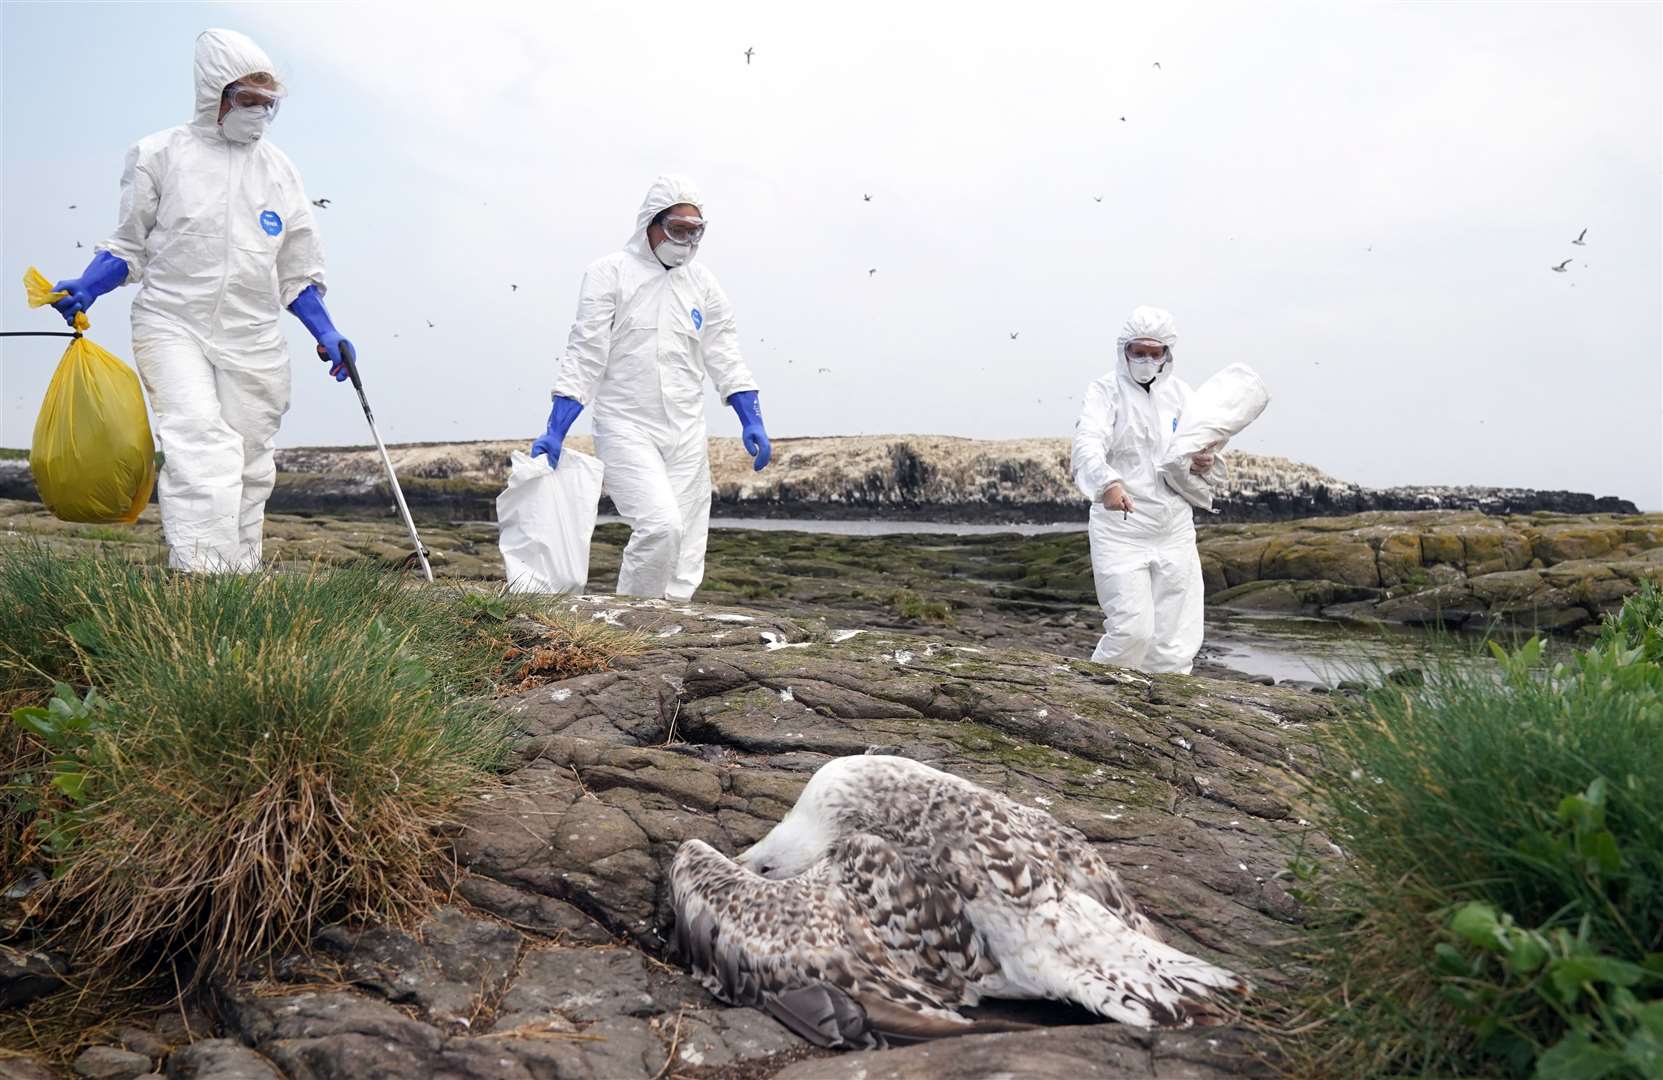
{"points": [[893, 895]]}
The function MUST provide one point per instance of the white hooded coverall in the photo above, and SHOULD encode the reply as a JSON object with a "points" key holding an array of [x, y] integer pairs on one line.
{"points": [[639, 350], [1145, 564], [219, 237]]}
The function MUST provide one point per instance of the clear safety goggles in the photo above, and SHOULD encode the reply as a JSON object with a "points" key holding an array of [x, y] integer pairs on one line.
{"points": [[251, 95], [1145, 349], [684, 230]]}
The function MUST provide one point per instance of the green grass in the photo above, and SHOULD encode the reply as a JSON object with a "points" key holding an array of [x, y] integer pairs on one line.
{"points": [[259, 753], [912, 607], [105, 532], [1500, 912]]}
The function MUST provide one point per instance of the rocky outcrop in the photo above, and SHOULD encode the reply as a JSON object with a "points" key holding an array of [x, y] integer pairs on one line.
{"points": [[922, 477], [1541, 571], [550, 959], [1457, 569]]}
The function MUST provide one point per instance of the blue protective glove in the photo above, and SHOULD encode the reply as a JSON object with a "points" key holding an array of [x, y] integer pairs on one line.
{"points": [[751, 432], [103, 274], [561, 418], [308, 308]]}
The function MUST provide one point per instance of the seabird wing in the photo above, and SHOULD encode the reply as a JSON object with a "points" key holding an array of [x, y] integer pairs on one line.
{"points": [[802, 950]]}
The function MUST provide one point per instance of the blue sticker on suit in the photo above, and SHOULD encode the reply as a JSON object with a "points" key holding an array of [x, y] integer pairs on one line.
{"points": [[698, 319], [270, 222]]}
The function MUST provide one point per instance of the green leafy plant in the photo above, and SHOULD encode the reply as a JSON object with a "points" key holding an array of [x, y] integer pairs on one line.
{"points": [[1502, 976], [66, 727], [1499, 911], [1638, 624]]}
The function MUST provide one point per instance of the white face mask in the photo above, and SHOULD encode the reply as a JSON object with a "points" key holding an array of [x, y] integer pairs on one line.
{"points": [[672, 254], [1144, 371], [245, 124]]}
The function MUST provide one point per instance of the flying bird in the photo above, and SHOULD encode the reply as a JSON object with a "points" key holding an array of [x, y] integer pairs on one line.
{"points": [[872, 271], [321, 204], [1579, 241], [429, 324], [72, 206], [865, 198], [1560, 269], [1122, 119], [748, 54], [513, 288], [894, 895], [1015, 334], [823, 371], [1157, 65], [1097, 198], [77, 243]]}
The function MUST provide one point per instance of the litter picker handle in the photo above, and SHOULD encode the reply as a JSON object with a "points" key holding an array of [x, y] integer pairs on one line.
{"points": [[350, 359]]}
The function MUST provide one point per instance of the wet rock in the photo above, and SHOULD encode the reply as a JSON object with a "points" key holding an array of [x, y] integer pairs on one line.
{"points": [[219, 1059], [1449, 606], [110, 1063]]}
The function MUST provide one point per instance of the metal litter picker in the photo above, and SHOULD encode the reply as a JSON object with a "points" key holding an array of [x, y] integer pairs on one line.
{"points": [[351, 360]]}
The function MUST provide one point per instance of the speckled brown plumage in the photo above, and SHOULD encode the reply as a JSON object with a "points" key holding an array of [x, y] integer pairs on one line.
{"points": [[904, 894]]}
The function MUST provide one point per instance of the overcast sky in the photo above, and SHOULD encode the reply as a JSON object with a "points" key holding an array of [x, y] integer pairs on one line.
{"points": [[1362, 201]]}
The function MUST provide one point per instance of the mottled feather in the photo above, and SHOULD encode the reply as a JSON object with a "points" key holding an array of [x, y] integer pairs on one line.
{"points": [[895, 894]]}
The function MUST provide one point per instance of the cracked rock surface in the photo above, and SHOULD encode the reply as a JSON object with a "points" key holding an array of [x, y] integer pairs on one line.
{"points": [[549, 961]]}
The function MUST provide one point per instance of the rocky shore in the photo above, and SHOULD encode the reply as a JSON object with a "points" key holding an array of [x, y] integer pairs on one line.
{"points": [[919, 477], [550, 959], [1458, 569]]}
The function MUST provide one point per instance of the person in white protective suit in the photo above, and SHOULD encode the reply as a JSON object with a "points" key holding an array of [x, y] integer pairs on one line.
{"points": [[216, 231], [1143, 555], [651, 324]]}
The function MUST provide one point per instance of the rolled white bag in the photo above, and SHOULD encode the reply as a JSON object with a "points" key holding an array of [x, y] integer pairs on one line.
{"points": [[1218, 410], [546, 519]]}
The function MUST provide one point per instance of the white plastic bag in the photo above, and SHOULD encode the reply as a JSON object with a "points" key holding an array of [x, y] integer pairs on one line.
{"points": [[1218, 410], [546, 519]]}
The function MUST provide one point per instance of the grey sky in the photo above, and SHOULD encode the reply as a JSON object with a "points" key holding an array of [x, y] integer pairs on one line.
{"points": [[468, 147]]}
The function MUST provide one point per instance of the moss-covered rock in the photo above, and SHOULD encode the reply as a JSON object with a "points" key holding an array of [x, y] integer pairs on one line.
{"points": [[1346, 559]]}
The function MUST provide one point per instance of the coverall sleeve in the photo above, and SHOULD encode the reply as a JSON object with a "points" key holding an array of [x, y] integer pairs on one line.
{"points": [[300, 259], [721, 345], [1090, 459], [140, 196], [589, 345]]}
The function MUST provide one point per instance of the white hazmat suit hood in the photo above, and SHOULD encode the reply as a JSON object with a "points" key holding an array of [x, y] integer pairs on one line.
{"points": [[643, 342], [219, 237], [1147, 571], [223, 57], [666, 191]]}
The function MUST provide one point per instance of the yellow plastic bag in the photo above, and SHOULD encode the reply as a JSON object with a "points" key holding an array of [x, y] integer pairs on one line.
{"points": [[93, 457]]}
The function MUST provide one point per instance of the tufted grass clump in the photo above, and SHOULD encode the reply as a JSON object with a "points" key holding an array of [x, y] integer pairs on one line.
{"points": [[912, 607], [1500, 909], [227, 761]]}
